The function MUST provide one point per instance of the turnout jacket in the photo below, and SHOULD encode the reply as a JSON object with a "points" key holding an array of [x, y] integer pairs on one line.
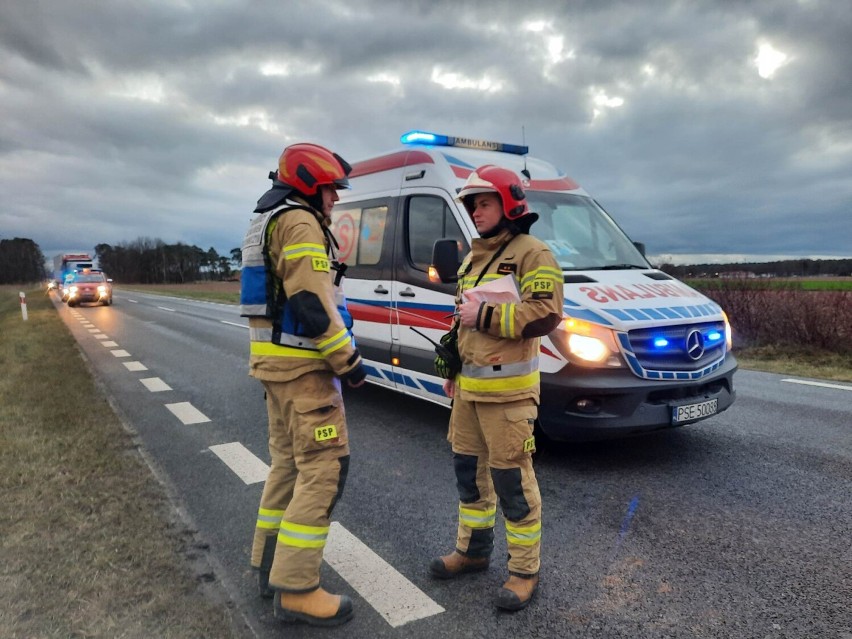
{"points": [[500, 355], [299, 250]]}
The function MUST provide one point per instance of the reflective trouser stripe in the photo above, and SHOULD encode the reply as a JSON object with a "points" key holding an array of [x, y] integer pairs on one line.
{"points": [[521, 382], [295, 251], [273, 350], [523, 536], [476, 518], [333, 343], [269, 519], [507, 320], [302, 536], [502, 371]]}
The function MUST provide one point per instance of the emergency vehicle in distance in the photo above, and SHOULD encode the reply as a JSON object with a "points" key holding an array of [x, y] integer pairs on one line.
{"points": [[66, 264], [637, 351]]}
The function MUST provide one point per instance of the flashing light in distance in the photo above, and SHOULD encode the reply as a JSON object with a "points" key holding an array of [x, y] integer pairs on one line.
{"points": [[435, 139]]}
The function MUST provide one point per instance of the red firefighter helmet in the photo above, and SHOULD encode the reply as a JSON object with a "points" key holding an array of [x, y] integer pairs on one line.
{"points": [[306, 167], [494, 179]]}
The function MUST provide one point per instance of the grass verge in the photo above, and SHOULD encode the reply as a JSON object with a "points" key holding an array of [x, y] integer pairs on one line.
{"points": [[91, 546]]}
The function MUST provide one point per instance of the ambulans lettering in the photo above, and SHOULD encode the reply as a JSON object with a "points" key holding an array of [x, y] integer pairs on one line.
{"points": [[324, 433], [604, 294]]}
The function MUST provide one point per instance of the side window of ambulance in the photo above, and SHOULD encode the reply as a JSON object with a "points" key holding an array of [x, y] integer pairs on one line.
{"points": [[360, 232], [430, 219]]}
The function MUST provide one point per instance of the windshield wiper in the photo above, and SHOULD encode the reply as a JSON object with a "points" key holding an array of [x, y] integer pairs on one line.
{"points": [[618, 267]]}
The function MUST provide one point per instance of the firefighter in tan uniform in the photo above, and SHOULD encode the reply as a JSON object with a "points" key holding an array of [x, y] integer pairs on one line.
{"points": [[496, 393], [300, 346]]}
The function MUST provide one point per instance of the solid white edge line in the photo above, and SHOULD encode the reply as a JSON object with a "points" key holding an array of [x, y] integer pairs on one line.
{"points": [[244, 464], [823, 384], [392, 595]]}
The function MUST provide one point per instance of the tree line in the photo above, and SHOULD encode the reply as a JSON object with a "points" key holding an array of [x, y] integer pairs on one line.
{"points": [[152, 261], [781, 268], [21, 261]]}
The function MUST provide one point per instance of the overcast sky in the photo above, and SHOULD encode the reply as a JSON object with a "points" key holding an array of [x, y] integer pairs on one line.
{"points": [[719, 128]]}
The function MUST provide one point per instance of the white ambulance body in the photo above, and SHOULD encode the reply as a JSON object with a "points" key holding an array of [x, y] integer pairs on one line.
{"points": [[637, 350]]}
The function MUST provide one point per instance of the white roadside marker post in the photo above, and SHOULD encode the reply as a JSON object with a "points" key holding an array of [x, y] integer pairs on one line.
{"points": [[23, 305]]}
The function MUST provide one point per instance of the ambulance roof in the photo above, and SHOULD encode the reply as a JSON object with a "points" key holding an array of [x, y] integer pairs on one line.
{"points": [[454, 162]]}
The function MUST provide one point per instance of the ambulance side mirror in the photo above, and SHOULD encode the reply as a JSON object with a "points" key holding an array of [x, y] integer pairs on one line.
{"points": [[641, 247], [445, 261]]}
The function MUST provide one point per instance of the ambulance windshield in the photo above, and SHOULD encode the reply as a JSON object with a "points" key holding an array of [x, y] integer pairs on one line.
{"points": [[580, 234]]}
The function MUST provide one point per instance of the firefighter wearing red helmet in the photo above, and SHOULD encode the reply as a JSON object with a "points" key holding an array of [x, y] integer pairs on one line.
{"points": [[496, 392], [301, 346]]}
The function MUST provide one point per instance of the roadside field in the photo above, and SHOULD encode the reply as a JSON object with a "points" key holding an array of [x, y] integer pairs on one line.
{"points": [[91, 546]]}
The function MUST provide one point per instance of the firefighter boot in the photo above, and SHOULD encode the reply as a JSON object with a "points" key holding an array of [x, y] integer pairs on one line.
{"points": [[456, 564], [517, 592], [315, 608]]}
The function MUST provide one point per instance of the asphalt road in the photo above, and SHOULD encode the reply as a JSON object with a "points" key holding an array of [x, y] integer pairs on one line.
{"points": [[740, 526]]}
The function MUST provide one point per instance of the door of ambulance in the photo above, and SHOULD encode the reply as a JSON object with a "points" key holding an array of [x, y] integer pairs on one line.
{"points": [[425, 215], [365, 231]]}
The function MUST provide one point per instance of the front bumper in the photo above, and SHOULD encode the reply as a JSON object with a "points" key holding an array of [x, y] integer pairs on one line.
{"points": [[626, 404]]}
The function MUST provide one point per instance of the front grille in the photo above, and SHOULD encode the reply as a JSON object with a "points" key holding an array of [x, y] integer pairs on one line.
{"points": [[665, 349]]}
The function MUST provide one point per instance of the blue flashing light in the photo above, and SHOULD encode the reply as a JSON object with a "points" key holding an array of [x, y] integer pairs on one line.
{"points": [[660, 342], [714, 336], [425, 137]]}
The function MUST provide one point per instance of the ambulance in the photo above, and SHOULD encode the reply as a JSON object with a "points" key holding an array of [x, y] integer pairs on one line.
{"points": [[637, 350]]}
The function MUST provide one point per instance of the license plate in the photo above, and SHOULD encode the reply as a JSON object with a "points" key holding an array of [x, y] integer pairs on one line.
{"points": [[691, 412]]}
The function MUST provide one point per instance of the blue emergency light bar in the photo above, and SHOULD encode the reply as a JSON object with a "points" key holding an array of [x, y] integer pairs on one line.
{"points": [[434, 139]]}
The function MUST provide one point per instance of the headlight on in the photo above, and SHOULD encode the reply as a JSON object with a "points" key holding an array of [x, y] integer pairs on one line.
{"points": [[72, 290], [729, 336], [587, 344], [102, 289]]}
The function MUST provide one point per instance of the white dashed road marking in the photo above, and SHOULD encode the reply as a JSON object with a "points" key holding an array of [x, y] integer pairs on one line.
{"points": [[132, 301], [187, 413], [234, 324], [120, 353], [101, 336], [165, 308], [135, 366], [155, 384], [94, 330], [823, 384], [394, 597], [240, 459], [110, 344]]}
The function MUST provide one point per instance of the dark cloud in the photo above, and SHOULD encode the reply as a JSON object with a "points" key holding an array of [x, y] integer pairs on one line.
{"points": [[161, 119]]}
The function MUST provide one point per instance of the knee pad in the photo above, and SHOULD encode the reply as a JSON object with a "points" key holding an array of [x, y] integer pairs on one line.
{"points": [[465, 467], [510, 490]]}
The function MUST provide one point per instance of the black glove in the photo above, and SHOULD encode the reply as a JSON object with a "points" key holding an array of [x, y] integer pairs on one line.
{"points": [[448, 362]]}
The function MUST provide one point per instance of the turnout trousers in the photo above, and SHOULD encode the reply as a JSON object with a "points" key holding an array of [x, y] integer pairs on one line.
{"points": [[492, 455], [309, 447]]}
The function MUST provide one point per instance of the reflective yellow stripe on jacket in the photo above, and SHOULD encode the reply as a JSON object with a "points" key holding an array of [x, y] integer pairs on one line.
{"points": [[302, 536], [308, 249], [500, 384]]}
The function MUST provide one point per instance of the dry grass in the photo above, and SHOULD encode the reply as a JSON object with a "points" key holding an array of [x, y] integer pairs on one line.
{"points": [[90, 546]]}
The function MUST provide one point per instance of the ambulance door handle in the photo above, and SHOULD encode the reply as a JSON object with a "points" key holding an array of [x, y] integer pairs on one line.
{"points": [[407, 292], [381, 290]]}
